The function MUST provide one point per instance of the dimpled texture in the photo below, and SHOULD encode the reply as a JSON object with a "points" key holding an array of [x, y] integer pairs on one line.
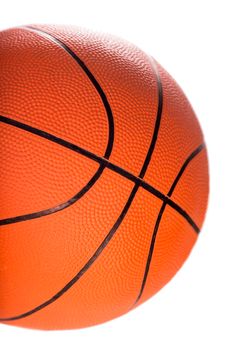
{"points": [[104, 177]]}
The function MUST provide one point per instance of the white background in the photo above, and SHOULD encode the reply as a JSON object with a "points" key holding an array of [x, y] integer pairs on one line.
{"points": [[195, 42]]}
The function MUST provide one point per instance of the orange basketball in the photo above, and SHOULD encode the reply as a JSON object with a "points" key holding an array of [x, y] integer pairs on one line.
{"points": [[104, 177]]}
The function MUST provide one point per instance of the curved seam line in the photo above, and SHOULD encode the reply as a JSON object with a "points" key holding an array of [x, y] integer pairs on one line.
{"points": [[111, 232], [102, 161], [159, 218], [92, 181], [109, 146], [160, 215], [89, 74]]}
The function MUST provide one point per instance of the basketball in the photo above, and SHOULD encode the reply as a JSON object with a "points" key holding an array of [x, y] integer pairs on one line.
{"points": [[104, 177]]}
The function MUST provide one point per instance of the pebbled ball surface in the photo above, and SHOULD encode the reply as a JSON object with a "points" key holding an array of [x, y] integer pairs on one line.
{"points": [[103, 177]]}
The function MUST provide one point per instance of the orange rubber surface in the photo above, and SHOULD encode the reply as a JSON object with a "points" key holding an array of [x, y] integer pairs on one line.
{"points": [[104, 177]]}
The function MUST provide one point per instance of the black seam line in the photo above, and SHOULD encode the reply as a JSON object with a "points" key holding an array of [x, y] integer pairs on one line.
{"points": [[158, 121], [85, 267], [184, 166], [109, 146], [160, 215], [94, 157], [109, 235], [91, 155], [107, 154], [89, 75]]}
